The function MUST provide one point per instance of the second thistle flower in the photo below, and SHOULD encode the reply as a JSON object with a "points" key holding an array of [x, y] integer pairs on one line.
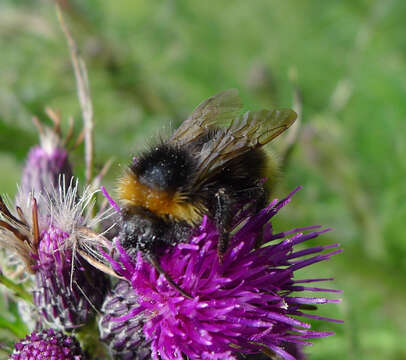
{"points": [[45, 231]]}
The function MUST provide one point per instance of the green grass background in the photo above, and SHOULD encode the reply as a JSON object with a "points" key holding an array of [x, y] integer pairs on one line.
{"points": [[151, 62]]}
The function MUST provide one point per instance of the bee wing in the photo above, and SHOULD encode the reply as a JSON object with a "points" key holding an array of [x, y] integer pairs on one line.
{"points": [[211, 112], [246, 132]]}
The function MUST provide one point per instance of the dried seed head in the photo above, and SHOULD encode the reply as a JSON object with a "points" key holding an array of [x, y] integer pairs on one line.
{"points": [[66, 288]]}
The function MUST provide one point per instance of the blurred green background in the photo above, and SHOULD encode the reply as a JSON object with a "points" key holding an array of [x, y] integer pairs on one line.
{"points": [[151, 62]]}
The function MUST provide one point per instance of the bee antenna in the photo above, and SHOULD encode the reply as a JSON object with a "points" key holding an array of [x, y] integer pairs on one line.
{"points": [[154, 262]]}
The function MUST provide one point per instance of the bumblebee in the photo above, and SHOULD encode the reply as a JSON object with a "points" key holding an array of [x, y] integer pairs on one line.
{"points": [[211, 165]]}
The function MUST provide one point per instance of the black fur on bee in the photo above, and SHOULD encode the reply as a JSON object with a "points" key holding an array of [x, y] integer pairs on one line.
{"points": [[204, 168]]}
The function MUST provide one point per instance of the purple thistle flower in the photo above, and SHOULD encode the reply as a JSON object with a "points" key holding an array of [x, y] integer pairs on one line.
{"points": [[48, 345], [242, 306]]}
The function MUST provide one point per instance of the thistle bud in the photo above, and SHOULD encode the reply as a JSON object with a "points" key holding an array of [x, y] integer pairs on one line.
{"points": [[123, 334], [46, 163]]}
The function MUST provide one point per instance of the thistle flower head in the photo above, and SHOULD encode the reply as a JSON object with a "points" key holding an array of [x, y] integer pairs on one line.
{"points": [[243, 305], [47, 239], [48, 345]]}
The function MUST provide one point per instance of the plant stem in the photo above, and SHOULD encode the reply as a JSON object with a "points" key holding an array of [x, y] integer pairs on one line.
{"points": [[88, 336], [16, 288]]}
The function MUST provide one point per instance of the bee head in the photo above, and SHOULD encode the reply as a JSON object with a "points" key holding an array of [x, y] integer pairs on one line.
{"points": [[141, 230]]}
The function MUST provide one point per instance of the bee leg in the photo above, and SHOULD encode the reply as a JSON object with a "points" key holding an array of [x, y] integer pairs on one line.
{"points": [[223, 217], [261, 196], [155, 263]]}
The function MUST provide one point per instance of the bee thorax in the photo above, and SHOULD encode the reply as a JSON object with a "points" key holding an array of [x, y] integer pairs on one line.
{"points": [[164, 168]]}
